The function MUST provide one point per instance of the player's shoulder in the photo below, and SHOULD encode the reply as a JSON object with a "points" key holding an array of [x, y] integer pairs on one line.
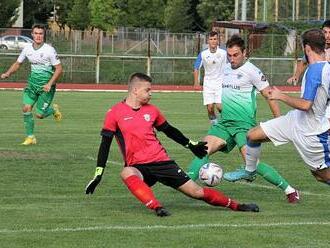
{"points": [[150, 106], [251, 68], [317, 67]]}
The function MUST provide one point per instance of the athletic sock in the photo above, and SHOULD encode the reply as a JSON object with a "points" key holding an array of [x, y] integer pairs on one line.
{"points": [[213, 119], [28, 123], [142, 192], [217, 198], [252, 156], [195, 165], [272, 176], [49, 111]]}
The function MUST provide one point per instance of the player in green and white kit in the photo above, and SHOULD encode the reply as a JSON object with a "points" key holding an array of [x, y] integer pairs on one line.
{"points": [[40, 90], [241, 80]]}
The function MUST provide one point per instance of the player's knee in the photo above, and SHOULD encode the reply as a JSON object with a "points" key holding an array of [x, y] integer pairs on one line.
{"points": [[39, 116], [26, 108]]}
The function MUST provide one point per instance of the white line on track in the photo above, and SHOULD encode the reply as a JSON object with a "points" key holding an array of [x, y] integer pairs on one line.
{"points": [[154, 227]]}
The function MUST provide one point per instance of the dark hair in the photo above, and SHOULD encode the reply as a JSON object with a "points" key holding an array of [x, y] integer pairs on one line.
{"points": [[315, 39], [236, 40], [326, 23], [138, 77], [212, 33], [39, 26]]}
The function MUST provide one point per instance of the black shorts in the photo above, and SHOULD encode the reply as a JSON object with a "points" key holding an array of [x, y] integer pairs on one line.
{"points": [[167, 173]]}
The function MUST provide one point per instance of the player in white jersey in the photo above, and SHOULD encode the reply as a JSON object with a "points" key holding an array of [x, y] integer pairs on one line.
{"points": [[241, 81], [213, 59], [46, 68], [306, 126]]}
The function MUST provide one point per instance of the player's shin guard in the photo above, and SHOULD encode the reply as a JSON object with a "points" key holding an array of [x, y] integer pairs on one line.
{"points": [[272, 176], [195, 165], [253, 151], [142, 192], [28, 123], [217, 198]]}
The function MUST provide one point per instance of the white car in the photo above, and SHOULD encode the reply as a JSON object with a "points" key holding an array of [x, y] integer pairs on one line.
{"points": [[14, 42]]}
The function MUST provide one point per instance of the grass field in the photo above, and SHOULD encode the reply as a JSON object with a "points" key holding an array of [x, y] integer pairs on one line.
{"points": [[42, 200]]}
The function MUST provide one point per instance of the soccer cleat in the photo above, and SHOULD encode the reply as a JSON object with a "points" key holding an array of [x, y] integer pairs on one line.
{"points": [[251, 207], [293, 197], [30, 140], [162, 212], [240, 174], [57, 114]]}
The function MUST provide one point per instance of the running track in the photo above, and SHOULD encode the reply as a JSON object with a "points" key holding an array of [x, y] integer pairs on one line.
{"points": [[122, 87]]}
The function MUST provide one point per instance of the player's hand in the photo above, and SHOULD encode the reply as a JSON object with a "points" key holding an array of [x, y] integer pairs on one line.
{"points": [[4, 75], [198, 148], [275, 94], [95, 181], [292, 80], [47, 87]]}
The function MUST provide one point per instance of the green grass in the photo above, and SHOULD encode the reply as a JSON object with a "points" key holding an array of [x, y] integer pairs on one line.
{"points": [[42, 200]]}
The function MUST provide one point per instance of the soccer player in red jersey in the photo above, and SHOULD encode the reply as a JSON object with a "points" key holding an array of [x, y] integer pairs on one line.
{"points": [[132, 122]]}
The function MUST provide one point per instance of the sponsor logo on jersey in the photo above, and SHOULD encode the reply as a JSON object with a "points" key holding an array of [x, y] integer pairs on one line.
{"points": [[263, 78], [128, 118]]}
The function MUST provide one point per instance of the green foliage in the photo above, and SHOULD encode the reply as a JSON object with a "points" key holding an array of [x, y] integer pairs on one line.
{"points": [[8, 12], [104, 14], [212, 10], [144, 13], [37, 11], [177, 19], [63, 10], [79, 16]]}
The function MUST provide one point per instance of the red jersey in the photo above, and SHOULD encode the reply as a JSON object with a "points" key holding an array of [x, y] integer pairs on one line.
{"points": [[135, 134]]}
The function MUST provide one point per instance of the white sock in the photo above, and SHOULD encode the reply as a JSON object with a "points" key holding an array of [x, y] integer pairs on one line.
{"points": [[252, 157], [289, 190]]}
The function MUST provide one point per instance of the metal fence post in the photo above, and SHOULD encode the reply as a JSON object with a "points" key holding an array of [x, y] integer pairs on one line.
{"points": [[149, 56], [97, 59]]}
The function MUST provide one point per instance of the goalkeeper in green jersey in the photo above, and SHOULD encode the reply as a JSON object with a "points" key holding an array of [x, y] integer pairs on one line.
{"points": [[46, 68], [241, 80]]}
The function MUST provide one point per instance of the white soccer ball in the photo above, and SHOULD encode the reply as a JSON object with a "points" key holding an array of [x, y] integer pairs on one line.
{"points": [[210, 174]]}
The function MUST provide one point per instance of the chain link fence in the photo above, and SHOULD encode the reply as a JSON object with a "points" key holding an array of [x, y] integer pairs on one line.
{"points": [[101, 57]]}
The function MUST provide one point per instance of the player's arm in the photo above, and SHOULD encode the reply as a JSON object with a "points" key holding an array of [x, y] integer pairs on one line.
{"points": [[273, 105], [198, 148], [102, 158], [294, 102], [12, 69], [300, 68], [197, 66], [57, 73]]}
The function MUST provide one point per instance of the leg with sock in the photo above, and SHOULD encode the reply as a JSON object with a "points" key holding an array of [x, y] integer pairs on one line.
{"points": [[144, 194], [29, 129]]}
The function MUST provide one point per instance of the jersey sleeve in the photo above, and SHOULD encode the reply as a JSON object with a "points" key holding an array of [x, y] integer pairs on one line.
{"points": [[160, 118], [110, 121], [198, 62], [259, 80], [54, 60], [313, 78], [22, 56]]}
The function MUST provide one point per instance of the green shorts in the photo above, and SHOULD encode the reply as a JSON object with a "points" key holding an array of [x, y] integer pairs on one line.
{"points": [[233, 135], [37, 96]]}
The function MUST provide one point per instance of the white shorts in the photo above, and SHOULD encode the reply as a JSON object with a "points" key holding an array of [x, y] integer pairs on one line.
{"points": [[211, 95], [313, 149]]}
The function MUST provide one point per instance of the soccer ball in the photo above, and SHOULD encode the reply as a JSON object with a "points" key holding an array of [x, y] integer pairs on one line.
{"points": [[210, 174]]}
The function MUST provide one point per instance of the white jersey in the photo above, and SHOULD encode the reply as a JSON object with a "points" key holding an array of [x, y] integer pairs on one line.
{"points": [[213, 64], [42, 61], [239, 93], [315, 88]]}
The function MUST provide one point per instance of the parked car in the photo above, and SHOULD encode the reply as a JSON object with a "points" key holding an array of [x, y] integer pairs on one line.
{"points": [[14, 42]]}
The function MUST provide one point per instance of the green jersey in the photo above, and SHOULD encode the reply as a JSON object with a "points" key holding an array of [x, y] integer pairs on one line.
{"points": [[239, 95]]}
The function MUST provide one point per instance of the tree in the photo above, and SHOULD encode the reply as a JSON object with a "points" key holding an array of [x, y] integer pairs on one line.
{"points": [[63, 9], [211, 10], [177, 18], [36, 11], [104, 14], [145, 13], [8, 12], [79, 15]]}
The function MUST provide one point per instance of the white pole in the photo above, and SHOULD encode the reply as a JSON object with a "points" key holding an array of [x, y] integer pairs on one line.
{"points": [[236, 9], [325, 10], [293, 9], [265, 10], [243, 18]]}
